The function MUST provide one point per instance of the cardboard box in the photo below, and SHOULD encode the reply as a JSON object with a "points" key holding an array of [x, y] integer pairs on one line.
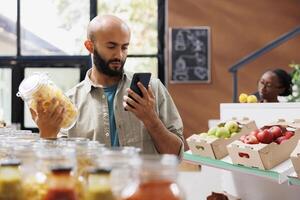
{"points": [[265, 156], [295, 158], [216, 147]]}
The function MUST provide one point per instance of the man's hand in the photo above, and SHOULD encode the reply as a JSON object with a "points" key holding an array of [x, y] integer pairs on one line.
{"points": [[142, 107], [48, 119]]}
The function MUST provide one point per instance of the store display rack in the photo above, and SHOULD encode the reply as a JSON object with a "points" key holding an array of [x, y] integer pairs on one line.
{"points": [[293, 180], [279, 174]]}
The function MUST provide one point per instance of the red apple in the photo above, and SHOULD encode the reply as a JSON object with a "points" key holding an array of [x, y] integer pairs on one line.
{"points": [[280, 139], [254, 132], [242, 138], [288, 134], [251, 139], [275, 131], [265, 136], [283, 129]]}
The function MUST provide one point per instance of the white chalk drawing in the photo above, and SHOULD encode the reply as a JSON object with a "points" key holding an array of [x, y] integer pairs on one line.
{"points": [[181, 69], [179, 42], [189, 54]]}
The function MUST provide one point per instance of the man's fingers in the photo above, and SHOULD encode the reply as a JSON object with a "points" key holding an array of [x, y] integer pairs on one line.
{"points": [[127, 107], [33, 114], [143, 89], [39, 107], [58, 113], [131, 102], [59, 120], [53, 100], [55, 108], [134, 95]]}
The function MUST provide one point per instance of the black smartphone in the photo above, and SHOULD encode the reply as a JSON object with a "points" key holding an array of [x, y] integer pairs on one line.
{"points": [[144, 78]]}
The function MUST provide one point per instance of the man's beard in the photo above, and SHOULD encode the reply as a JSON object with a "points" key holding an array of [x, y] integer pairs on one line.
{"points": [[103, 66]]}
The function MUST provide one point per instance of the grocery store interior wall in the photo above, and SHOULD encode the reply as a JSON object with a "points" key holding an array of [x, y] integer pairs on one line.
{"points": [[237, 29]]}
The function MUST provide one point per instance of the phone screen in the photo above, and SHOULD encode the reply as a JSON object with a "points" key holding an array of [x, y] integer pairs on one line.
{"points": [[144, 78]]}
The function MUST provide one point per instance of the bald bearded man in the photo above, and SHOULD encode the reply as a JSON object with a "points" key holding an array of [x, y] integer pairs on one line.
{"points": [[152, 124]]}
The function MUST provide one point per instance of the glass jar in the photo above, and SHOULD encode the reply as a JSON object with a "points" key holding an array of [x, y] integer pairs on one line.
{"points": [[47, 143], [115, 157], [86, 152], [61, 184], [6, 131], [155, 179], [34, 182], [83, 161], [10, 180], [39, 87], [99, 186], [34, 186], [6, 148], [25, 134], [121, 160], [53, 153]]}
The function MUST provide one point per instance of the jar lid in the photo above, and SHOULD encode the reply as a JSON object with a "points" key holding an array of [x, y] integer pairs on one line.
{"points": [[30, 84], [60, 169], [99, 171], [75, 139], [10, 163], [95, 144]]}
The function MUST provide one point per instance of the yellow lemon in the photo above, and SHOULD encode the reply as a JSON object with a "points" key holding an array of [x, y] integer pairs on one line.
{"points": [[251, 99], [243, 98]]}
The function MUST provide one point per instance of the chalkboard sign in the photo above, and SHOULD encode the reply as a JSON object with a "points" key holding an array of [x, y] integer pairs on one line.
{"points": [[189, 55]]}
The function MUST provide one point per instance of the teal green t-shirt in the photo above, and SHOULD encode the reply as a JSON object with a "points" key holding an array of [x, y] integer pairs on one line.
{"points": [[110, 94]]}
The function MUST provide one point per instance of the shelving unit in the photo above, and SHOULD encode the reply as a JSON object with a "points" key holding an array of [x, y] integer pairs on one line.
{"points": [[293, 180], [247, 182], [278, 174], [262, 113]]}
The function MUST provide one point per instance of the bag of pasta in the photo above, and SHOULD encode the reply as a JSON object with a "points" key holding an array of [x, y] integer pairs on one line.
{"points": [[39, 88]]}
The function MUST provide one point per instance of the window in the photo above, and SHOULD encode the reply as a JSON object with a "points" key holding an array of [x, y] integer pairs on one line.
{"points": [[5, 94], [137, 64], [8, 18], [56, 27], [141, 16]]}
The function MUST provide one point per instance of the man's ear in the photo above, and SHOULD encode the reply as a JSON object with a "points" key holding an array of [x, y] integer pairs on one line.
{"points": [[89, 46]]}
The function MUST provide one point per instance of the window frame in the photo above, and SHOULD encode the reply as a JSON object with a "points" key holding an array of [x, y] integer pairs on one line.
{"points": [[18, 63]]}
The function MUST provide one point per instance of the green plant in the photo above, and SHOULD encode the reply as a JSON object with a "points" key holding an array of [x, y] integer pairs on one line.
{"points": [[295, 96]]}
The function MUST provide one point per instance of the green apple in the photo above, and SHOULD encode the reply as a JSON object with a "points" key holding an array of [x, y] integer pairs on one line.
{"points": [[203, 134], [232, 126], [222, 132], [211, 136], [233, 134], [212, 131]]}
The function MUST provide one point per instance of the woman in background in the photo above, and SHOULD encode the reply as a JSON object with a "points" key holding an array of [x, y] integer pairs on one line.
{"points": [[274, 83]]}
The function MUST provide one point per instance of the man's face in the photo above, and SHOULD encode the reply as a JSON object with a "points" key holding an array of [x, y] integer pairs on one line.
{"points": [[112, 67], [110, 50]]}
